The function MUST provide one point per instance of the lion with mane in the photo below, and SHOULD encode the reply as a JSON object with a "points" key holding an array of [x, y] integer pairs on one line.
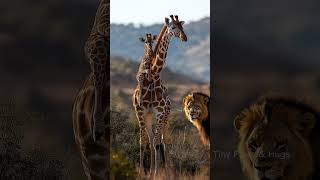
{"points": [[278, 139], [196, 108]]}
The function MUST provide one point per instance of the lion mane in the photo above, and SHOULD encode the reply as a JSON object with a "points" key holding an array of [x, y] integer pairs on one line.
{"points": [[304, 129], [202, 123]]}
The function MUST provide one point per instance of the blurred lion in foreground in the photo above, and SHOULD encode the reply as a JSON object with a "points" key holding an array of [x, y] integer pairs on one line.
{"points": [[196, 108], [278, 139]]}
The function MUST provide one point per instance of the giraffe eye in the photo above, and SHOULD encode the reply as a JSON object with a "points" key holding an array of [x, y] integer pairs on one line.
{"points": [[173, 27]]}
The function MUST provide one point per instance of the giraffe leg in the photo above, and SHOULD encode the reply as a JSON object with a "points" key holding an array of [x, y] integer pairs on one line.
{"points": [[94, 157], [98, 126], [158, 141], [98, 164], [150, 138], [143, 145], [99, 78], [98, 54], [141, 116]]}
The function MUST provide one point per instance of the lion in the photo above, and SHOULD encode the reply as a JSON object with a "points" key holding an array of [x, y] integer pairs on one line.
{"points": [[196, 108], [278, 139]]}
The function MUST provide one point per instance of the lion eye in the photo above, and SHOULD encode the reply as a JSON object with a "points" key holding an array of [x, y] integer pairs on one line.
{"points": [[253, 146], [197, 107]]}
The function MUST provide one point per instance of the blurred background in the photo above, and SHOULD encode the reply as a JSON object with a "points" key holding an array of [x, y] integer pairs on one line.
{"points": [[42, 67], [259, 47]]}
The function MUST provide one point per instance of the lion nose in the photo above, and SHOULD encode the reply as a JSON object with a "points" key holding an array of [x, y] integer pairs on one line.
{"points": [[262, 168]]}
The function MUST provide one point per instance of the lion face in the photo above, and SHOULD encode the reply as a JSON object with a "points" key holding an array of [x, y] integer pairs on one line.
{"points": [[270, 153], [274, 141], [196, 107]]}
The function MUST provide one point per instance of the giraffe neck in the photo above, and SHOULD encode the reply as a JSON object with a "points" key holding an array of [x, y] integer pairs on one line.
{"points": [[148, 52], [101, 22], [161, 53]]}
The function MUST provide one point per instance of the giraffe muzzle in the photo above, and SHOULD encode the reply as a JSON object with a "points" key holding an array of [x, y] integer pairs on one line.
{"points": [[183, 37]]}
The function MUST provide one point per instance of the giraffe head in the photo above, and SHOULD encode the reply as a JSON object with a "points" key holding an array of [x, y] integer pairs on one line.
{"points": [[175, 27], [148, 42]]}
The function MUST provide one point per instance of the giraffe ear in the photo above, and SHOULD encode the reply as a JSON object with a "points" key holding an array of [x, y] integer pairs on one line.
{"points": [[141, 39], [166, 20], [182, 23], [154, 37]]}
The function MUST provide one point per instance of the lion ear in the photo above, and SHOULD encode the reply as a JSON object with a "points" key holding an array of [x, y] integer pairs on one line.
{"points": [[239, 120], [206, 99], [306, 123]]}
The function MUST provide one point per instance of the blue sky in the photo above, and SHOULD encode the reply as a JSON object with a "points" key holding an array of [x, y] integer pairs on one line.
{"points": [[153, 11]]}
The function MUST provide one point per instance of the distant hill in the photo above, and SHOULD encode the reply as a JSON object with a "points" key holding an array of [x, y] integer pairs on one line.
{"points": [[124, 71], [191, 58]]}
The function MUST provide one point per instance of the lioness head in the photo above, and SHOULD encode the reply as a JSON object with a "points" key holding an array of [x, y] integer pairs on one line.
{"points": [[274, 139]]}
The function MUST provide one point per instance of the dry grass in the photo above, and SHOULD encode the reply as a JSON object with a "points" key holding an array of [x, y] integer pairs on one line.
{"points": [[169, 174], [186, 157]]}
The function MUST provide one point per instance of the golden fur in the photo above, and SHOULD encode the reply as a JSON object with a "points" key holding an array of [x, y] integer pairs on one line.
{"points": [[196, 108], [278, 125]]}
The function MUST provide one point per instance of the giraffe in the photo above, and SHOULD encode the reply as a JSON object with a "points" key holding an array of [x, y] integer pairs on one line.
{"points": [[155, 99], [91, 106], [144, 73]]}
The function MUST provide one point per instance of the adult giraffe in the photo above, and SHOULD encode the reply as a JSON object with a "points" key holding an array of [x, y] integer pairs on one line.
{"points": [[155, 99], [91, 106]]}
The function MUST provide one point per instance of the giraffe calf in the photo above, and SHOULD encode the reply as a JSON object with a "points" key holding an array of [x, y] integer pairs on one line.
{"points": [[144, 73]]}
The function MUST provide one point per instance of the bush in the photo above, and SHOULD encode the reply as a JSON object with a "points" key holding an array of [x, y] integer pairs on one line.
{"points": [[185, 153], [121, 166], [15, 163]]}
